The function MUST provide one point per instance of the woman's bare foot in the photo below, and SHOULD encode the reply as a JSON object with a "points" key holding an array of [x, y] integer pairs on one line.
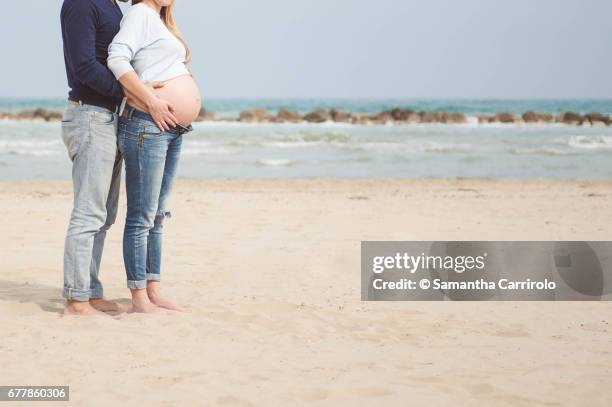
{"points": [[107, 306], [142, 304], [78, 308], [167, 304], [154, 294], [148, 309]]}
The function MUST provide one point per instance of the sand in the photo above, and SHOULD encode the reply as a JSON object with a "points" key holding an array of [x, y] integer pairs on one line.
{"points": [[271, 271]]}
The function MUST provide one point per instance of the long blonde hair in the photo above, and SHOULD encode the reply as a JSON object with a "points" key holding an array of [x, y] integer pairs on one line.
{"points": [[168, 19]]}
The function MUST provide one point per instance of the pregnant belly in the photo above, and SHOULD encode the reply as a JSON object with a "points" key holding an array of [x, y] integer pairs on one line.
{"points": [[182, 92]]}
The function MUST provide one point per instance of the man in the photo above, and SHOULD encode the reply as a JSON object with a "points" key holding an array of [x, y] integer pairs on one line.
{"points": [[89, 130]]}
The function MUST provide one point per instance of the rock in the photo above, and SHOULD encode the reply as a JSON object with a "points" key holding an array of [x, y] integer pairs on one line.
{"points": [[413, 118], [398, 115], [361, 119], [319, 116], [545, 117], [487, 119], [25, 115], [285, 115], [430, 117], [255, 115], [570, 118], [55, 116], [453, 118], [505, 117], [38, 114], [382, 118], [205, 116], [531, 117], [403, 115], [341, 117], [597, 119]]}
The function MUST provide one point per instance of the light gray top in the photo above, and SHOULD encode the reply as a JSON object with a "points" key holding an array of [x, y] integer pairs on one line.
{"points": [[145, 45]]}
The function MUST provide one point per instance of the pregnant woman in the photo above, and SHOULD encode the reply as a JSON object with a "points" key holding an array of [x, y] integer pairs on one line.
{"points": [[149, 49]]}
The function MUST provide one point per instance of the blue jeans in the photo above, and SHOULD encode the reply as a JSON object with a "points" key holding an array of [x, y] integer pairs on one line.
{"points": [[90, 136], [151, 158]]}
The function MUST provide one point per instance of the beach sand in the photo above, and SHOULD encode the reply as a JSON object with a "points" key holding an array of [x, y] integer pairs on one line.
{"points": [[271, 270]]}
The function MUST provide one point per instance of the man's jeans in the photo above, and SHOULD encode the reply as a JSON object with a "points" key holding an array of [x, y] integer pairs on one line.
{"points": [[90, 135], [151, 158]]}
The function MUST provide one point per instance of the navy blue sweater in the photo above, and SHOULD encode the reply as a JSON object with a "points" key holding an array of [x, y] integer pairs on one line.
{"points": [[88, 28]]}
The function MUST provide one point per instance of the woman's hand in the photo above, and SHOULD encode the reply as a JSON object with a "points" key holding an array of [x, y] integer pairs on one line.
{"points": [[160, 110], [162, 113]]}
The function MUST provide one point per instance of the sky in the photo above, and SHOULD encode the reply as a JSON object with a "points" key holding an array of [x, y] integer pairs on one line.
{"points": [[354, 49]]}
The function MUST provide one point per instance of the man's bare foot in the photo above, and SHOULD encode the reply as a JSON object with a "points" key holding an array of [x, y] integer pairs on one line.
{"points": [[154, 294], [77, 308], [107, 306]]}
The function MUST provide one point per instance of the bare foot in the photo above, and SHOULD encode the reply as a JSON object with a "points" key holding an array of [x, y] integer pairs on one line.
{"points": [[107, 306], [148, 308], [167, 304], [77, 308], [154, 294], [142, 304]]}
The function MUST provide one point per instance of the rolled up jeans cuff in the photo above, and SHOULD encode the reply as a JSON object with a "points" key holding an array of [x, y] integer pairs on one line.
{"points": [[96, 294], [72, 294], [153, 277], [136, 284]]}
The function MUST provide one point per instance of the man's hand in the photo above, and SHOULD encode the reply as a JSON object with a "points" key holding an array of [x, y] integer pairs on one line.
{"points": [[156, 85], [144, 94], [162, 113]]}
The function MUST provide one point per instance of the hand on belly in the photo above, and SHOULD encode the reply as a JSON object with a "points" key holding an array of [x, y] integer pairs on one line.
{"points": [[183, 94]]}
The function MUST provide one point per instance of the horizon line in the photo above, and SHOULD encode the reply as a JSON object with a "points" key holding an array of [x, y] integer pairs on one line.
{"points": [[357, 99]]}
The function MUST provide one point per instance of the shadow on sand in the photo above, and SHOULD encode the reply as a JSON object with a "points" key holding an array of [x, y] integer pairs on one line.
{"points": [[48, 298]]}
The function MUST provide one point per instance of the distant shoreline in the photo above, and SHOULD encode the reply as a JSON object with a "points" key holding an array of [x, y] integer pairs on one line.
{"points": [[390, 116]]}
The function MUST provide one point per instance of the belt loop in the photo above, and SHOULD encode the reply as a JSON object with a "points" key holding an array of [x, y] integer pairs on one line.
{"points": [[69, 293], [122, 107]]}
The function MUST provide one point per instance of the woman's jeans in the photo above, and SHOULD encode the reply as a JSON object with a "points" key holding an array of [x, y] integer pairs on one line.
{"points": [[151, 157]]}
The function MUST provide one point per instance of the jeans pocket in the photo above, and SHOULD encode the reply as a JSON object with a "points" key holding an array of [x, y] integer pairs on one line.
{"points": [[102, 117], [151, 130], [72, 136]]}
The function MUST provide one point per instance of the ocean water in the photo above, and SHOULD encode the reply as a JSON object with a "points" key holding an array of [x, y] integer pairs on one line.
{"points": [[34, 150], [232, 107]]}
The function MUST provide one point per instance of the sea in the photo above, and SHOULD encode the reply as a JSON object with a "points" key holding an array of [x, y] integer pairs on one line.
{"points": [[31, 150]]}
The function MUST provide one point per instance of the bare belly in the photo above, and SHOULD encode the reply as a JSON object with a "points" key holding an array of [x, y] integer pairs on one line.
{"points": [[181, 92]]}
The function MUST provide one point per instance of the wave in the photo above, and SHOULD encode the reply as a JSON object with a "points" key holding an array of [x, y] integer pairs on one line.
{"points": [[281, 162], [309, 138], [598, 142], [542, 151], [291, 140], [399, 147], [30, 152], [445, 148], [34, 148], [203, 148], [29, 144]]}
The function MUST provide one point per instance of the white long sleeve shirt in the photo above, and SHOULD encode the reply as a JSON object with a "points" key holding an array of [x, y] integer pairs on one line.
{"points": [[145, 45]]}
